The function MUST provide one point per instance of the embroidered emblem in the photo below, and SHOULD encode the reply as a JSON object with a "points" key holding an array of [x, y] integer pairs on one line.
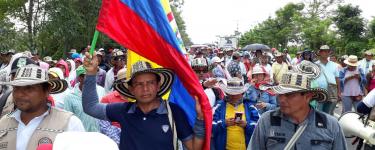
{"points": [[44, 140], [165, 128], [4, 145], [21, 62]]}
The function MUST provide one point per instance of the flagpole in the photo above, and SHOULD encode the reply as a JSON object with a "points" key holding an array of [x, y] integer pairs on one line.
{"points": [[93, 43]]}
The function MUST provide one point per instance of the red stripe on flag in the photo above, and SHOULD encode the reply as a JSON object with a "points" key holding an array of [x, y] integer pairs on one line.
{"points": [[127, 28]]}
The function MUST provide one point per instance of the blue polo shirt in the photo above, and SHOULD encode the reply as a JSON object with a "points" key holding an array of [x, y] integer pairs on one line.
{"points": [[141, 131], [330, 72]]}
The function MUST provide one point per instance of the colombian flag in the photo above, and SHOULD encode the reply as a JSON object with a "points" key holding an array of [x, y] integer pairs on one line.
{"points": [[143, 26]]}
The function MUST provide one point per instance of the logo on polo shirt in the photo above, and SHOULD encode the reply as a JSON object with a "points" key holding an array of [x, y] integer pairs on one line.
{"points": [[165, 128], [44, 140]]}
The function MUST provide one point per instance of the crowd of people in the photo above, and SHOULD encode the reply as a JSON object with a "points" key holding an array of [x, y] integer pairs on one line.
{"points": [[262, 99]]}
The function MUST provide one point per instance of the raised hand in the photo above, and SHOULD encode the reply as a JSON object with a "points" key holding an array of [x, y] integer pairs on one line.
{"points": [[91, 63]]}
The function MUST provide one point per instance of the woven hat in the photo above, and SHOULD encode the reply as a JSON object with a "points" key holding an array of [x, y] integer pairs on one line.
{"points": [[369, 53], [228, 49], [308, 68], [324, 47], [32, 74], [73, 51], [166, 78], [121, 74], [47, 59], [293, 82], [3, 52], [56, 72], [20, 62], [11, 51], [352, 60], [101, 53], [216, 60], [199, 63], [278, 54], [27, 54], [258, 70], [234, 86], [117, 53]]}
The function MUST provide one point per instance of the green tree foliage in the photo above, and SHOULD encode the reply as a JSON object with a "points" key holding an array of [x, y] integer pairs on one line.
{"points": [[296, 27], [315, 32], [69, 26], [279, 31], [371, 34], [181, 26], [53, 27], [351, 28], [7, 35]]}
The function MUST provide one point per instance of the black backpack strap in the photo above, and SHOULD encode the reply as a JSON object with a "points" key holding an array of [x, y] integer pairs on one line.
{"points": [[320, 120], [275, 119], [3, 99]]}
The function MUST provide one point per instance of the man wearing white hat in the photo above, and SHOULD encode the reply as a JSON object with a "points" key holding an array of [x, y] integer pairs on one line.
{"points": [[218, 70], [353, 84], [35, 122], [6, 57], [279, 67], [296, 125]]}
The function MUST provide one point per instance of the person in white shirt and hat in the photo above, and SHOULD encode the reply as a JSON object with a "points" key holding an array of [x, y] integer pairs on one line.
{"points": [[35, 122], [353, 84]]}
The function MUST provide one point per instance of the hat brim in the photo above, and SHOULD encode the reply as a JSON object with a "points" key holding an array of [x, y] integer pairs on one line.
{"points": [[24, 82], [320, 94], [233, 91], [351, 64], [313, 73], [166, 80], [57, 86]]}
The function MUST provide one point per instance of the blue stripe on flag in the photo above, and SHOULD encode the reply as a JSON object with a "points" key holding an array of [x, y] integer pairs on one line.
{"points": [[153, 13], [181, 97]]}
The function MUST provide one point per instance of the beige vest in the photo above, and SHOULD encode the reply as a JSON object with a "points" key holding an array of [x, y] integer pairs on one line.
{"points": [[54, 123]]}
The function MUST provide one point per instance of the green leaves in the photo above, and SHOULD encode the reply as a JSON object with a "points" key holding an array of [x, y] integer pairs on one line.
{"points": [[297, 26]]}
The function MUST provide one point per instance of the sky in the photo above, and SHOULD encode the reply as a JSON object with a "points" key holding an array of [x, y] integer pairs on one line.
{"points": [[207, 19]]}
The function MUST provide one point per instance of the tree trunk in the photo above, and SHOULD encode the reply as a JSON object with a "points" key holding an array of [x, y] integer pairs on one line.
{"points": [[29, 21]]}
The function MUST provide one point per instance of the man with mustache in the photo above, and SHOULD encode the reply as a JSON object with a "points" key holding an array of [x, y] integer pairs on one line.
{"points": [[34, 122]]}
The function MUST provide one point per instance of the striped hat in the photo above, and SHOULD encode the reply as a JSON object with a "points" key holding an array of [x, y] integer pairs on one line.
{"points": [[234, 86], [33, 74], [309, 68], [293, 82]]}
